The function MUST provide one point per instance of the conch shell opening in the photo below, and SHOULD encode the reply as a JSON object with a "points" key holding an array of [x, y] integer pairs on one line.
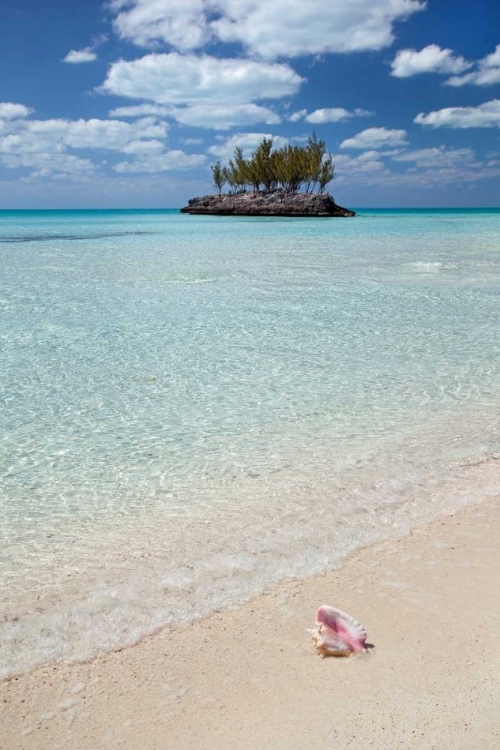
{"points": [[338, 634]]}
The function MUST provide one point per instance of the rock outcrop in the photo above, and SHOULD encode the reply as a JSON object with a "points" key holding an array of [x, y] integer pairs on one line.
{"points": [[273, 203]]}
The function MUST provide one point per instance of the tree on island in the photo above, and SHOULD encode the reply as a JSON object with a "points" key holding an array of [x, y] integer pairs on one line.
{"points": [[288, 169]]}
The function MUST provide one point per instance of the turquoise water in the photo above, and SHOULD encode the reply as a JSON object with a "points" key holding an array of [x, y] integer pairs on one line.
{"points": [[194, 408]]}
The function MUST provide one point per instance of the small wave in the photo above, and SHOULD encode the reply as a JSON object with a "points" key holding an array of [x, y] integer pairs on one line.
{"points": [[118, 592]]}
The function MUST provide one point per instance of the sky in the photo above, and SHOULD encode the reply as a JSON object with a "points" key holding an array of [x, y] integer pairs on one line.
{"points": [[127, 103]]}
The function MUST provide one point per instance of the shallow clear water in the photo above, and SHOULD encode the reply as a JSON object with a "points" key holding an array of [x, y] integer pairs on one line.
{"points": [[193, 408]]}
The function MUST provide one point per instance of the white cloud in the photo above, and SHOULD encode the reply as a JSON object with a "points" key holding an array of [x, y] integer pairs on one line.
{"points": [[299, 115], [290, 28], [373, 138], [438, 157], [215, 116], [80, 56], [113, 135], [10, 111], [143, 147], [420, 169], [223, 117], [141, 110], [486, 73], [329, 114], [44, 144], [333, 114], [486, 115], [282, 28], [247, 141], [430, 59], [485, 77], [180, 23], [492, 60], [367, 162], [363, 112], [47, 164], [188, 79], [165, 162]]}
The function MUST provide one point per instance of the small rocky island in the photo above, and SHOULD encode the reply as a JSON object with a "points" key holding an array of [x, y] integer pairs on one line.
{"points": [[275, 203], [289, 181]]}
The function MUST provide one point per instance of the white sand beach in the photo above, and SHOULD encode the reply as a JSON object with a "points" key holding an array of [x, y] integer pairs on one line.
{"points": [[249, 678]]}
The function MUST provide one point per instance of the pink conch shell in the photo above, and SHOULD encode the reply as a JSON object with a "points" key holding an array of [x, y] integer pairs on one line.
{"points": [[338, 634]]}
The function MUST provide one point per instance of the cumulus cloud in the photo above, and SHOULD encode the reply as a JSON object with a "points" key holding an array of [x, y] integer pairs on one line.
{"points": [[113, 135], [215, 116], [299, 115], [165, 162], [492, 60], [44, 144], [486, 115], [485, 77], [224, 149], [433, 59], [486, 74], [329, 114], [282, 28], [10, 111], [144, 147], [438, 157], [367, 162], [141, 110], [374, 138], [80, 56], [420, 168], [430, 59], [188, 79], [224, 116], [46, 164], [180, 23]]}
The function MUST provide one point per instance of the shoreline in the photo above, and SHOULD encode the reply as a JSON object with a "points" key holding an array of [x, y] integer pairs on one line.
{"points": [[249, 677], [92, 613]]}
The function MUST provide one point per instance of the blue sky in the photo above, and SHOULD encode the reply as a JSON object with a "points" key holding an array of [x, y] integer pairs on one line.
{"points": [[127, 103]]}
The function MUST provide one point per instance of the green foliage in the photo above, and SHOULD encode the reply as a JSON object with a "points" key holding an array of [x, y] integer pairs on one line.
{"points": [[326, 173], [289, 168], [315, 154], [262, 164], [219, 175]]}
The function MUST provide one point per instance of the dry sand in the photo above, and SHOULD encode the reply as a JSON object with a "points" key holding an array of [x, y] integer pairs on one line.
{"points": [[249, 679]]}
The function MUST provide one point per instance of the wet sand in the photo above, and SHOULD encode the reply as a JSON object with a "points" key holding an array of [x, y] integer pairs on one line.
{"points": [[249, 679]]}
